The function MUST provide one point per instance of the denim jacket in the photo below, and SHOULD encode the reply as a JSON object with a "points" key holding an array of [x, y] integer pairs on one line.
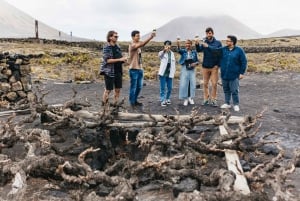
{"points": [[184, 53]]}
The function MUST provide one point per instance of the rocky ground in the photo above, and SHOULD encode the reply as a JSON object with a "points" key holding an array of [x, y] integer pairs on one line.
{"points": [[277, 94], [272, 97]]}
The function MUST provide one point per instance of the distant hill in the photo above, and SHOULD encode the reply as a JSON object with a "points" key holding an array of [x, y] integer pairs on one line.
{"points": [[14, 23], [188, 27], [284, 32]]}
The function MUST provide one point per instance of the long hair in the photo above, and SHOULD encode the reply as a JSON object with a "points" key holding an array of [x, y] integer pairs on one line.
{"points": [[110, 34]]}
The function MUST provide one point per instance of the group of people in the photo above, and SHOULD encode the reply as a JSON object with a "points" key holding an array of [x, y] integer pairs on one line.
{"points": [[231, 60]]}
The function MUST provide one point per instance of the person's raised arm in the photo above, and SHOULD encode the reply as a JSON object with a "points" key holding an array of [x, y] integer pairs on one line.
{"points": [[143, 43], [178, 44], [199, 48], [179, 50]]}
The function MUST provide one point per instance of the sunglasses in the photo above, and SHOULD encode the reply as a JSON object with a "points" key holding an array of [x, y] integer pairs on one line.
{"points": [[115, 36]]}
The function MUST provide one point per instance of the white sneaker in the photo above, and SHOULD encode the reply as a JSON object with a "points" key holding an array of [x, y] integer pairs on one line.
{"points": [[163, 104], [186, 102], [168, 102], [225, 106], [191, 101], [236, 108]]}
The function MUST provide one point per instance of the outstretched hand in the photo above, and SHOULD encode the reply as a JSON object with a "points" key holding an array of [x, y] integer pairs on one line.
{"points": [[205, 44], [153, 34]]}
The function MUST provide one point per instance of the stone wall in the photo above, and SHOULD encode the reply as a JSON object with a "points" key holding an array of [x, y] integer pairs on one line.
{"points": [[253, 49], [85, 44], [15, 79]]}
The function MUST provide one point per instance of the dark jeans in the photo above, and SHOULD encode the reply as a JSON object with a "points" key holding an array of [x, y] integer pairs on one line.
{"points": [[136, 84], [231, 89]]}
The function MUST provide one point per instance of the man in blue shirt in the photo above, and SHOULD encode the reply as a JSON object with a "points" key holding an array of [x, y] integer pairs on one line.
{"points": [[233, 66], [210, 67]]}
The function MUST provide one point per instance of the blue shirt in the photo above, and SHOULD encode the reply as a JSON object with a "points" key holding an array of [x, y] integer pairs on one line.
{"points": [[233, 62]]}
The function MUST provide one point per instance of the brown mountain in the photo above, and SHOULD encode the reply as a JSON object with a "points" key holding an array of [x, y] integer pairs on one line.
{"points": [[14, 23], [285, 32], [188, 27]]}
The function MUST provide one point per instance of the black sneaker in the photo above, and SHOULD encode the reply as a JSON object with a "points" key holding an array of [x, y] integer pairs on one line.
{"points": [[138, 104], [214, 103], [205, 102]]}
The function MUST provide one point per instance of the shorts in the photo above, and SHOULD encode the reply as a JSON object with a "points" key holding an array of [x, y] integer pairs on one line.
{"points": [[113, 82]]}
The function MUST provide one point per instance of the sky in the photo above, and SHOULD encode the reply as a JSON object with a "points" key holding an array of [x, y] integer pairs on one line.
{"points": [[94, 18]]}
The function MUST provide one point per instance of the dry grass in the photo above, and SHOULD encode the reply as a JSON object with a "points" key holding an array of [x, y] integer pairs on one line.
{"points": [[278, 41], [83, 64], [269, 62]]}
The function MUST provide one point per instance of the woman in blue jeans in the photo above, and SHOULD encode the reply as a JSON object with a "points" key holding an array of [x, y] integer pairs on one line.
{"points": [[166, 72], [188, 61]]}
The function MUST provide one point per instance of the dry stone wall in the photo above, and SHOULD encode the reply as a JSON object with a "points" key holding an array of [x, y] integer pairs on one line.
{"points": [[15, 79], [97, 45]]}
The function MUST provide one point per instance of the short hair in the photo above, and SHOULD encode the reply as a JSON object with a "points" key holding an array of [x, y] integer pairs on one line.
{"points": [[167, 42], [209, 29], [189, 41], [232, 38], [110, 34], [134, 32]]}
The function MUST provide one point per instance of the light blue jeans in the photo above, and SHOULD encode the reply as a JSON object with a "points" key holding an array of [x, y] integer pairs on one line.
{"points": [[136, 84], [163, 81], [187, 77], [231, 89]]}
